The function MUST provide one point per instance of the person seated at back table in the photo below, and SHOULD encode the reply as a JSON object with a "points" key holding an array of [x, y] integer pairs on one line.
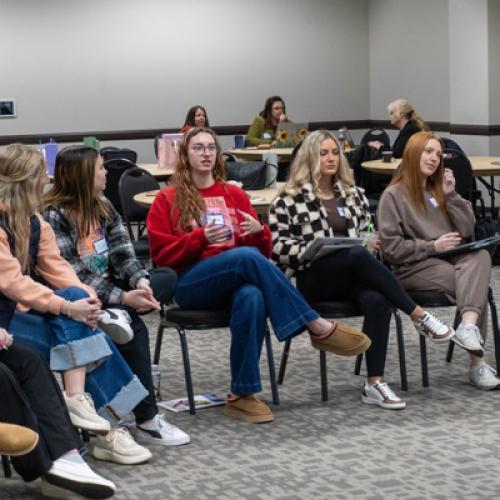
{"points": [[196, 117], [420, 216], [207, 230], [92, 238], [407, 120], [30, 397], [320, 200], [263, 128]]}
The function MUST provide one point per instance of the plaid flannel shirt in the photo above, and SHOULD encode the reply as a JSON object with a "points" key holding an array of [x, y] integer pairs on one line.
{"points": [[123, 264], [296, 221]]}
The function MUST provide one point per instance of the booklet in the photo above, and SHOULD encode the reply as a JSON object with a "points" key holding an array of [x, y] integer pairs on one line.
{"points": [[324, 246], [200, 401]]}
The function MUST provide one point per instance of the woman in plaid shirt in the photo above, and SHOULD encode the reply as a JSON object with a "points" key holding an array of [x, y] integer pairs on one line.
{"points": [[93, 239]]}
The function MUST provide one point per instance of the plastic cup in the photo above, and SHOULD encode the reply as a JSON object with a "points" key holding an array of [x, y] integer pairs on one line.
{"points": [[387, 156], [239, 141]]}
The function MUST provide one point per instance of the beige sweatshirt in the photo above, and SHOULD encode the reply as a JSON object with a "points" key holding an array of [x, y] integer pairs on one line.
{"points": [[28, 293], [407, 235]]}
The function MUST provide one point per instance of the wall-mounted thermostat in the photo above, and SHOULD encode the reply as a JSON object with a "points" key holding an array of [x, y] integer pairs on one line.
{"points": [[7, 108]]}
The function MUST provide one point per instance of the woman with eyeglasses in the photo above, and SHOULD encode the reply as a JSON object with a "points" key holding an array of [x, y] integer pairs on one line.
{"points": [[208, 231], [263, 128], [421, 216]]}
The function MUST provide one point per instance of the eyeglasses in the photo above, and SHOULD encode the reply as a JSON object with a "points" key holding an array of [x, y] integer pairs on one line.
{"points": [[200, 149]]}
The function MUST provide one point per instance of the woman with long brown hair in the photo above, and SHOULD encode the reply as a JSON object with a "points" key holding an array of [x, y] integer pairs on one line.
{"points": [[208, 231], [196, 117], [263, 128], [420, 216], [93, 239]]}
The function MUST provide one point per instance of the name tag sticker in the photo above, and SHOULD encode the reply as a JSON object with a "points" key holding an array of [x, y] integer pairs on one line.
{"points": [[433, 202], [101, 246], [341, 211]]}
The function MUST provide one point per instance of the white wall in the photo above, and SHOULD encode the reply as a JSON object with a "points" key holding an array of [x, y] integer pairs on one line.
{"points": [[125, 65], [409, 56]]}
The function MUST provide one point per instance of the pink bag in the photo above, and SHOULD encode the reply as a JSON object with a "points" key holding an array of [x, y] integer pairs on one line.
{"points": [[168, 145]]}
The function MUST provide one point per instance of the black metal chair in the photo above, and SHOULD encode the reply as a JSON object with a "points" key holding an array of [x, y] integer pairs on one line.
{"points": [[116, 167], [430, 299], [376, 134], [7, 470], [188, 319], [337, 310], [133, 181], [113, 153]]}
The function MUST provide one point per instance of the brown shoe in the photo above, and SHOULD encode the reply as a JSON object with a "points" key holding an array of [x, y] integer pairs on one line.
{"points": [[249, 409], [343, 340], [16, 440]]}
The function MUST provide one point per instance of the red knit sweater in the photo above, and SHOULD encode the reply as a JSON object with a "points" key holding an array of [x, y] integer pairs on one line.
{"points": [[178, 249]]}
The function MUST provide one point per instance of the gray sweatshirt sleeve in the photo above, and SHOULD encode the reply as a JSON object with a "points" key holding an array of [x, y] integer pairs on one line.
{"points": [[461, 214], [398, 247]]}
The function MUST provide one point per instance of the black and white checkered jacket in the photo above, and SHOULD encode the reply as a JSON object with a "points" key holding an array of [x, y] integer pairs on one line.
{"points": [[295, 221]]}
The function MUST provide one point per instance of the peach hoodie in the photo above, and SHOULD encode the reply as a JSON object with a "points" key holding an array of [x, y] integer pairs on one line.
{"points": [[30, 294]]}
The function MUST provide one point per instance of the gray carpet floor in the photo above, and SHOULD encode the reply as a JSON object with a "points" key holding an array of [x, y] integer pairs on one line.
{"points": [[445, 444]]}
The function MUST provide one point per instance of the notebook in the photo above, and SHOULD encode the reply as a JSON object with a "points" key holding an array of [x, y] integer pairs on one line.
{"points": [[289, 134]]}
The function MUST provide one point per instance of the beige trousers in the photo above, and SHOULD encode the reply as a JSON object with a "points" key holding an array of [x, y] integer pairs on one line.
{"points": [[464, 279]]}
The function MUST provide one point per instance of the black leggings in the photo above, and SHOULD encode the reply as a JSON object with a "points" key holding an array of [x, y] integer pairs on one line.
{"points": [[355, 274], [30, 396]]}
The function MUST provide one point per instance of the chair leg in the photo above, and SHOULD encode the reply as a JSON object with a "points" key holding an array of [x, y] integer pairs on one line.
{"points": [[187, 369], [272, 370], [357, 366], [451, 345], [159, 339], [6, 466], [284, 359], [494, 325], [401, 351], [423, 362], [323, 375]]}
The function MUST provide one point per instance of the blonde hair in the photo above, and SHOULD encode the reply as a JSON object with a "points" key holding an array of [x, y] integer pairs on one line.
{"points": [[406, 109], [21, 171], [306, 165]]}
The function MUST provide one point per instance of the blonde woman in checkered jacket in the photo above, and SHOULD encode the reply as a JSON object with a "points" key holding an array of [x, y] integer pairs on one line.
{"points": [[320, 200]]}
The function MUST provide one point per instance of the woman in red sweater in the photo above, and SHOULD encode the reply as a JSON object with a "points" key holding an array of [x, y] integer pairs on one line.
{"points": [[208, 231]]}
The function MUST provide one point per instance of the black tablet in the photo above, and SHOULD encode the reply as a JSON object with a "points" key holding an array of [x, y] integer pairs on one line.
{"points": [[473, 246]]}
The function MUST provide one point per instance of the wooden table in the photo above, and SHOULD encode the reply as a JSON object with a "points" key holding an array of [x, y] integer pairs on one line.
{"points": [[261, 199], [155, 170], [481, 166], [254, 154]]}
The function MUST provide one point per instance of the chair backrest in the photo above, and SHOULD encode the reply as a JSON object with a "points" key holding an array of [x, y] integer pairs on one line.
{"points": [[133, 181], [112, 153], [462, 170], [376, 134], [451, 144], [116, 168]]}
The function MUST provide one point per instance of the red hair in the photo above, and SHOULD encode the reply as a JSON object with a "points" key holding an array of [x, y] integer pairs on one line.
{"points": [[411, 177]]}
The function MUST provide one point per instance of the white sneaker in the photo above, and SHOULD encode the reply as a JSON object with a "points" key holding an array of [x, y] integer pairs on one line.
{"points": [[161, 432], [469, 337], [483, 376], [83, 415], [433, 328], [116, 323], [66, 477], [119, 446], [380, 394]]}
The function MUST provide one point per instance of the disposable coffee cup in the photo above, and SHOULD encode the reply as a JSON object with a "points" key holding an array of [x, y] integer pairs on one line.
{"points": [[387, 156], [239, 141]]}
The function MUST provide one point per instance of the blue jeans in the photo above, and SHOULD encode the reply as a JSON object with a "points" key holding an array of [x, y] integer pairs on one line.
{"points": [[69, 344], [245, 281]]}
